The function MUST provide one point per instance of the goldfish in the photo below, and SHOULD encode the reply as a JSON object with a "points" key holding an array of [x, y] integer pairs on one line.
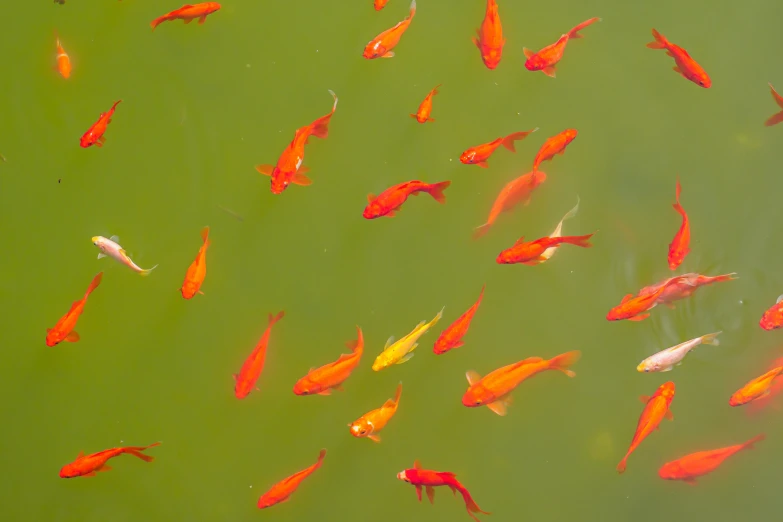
{"points": [[64, 329], [379, 4], [518, 190], [554, 145], [772, 319], [369, 424], [678, 248], [490, 39], [558, 231], [389, 201], [321, 380], [423, 113], [63, 60], [546, 59], [381, 46], [530, 253], [94, 135], [251, 368], [494, 389], [110, 248], [426, 478], [480, 154], [683, 286], [197, 270], [289, 167], [452, 336], [656, 408], [756, 388], [667, 359], [282, 491], [188, 13], [634, 308], [686, 66], [775, 389], [778, 116], [402, 350], [689, 467], [88, 465]]}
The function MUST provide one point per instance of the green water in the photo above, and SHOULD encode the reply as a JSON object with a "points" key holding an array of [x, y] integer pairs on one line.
{"points": [[203, 104]]}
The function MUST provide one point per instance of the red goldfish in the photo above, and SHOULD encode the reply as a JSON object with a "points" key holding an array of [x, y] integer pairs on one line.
{"points": [[546, 59], [251, 368], [282, 491], [197, 270], [773, 317], [321, 380], [452, 336], [188, 13], [494, 389], [379, 4], [686, 65], [777, 117], [63, 60], [678, 248], [381, 46], [554, 145], [428, 479], [64, 329], [774, 390], [695, 465], [94, 135], [423, 114], [490, 39], [756, 388], [656, 408], [389, 201], [480, 154], [87, 466], [516, 191], [369, 424], [530, 253], [682, 286], [634, 308]]}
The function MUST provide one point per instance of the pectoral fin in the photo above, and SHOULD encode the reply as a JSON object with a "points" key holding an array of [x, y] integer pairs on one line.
{"points": [[71, 337], [101, 255], [472, 377], [406, 358]]}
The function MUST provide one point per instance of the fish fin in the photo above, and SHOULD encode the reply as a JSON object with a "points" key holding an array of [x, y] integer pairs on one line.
{"points": [[475, 41], [528, 53], [457, 344], [774, 119], [498, 407], [102, 139], [202, 19], [670, 305], [389, 341], [391, 213], [669, 415], [327, 391], [90, 474], [644, 398], [101, 255], [667, 369], [301, 179], [711, 339], [266, 170], [563, 361], [413, 347], [200, 292], [780, 298], [431, 494], [104, 468], [371, 197], [677, 69], [416, 464], [406, 358], [71, 337], [147, 271], [639, 317], [754, 440], [389, 54], [549, 71], [473, 377], [80, 455], [519, 241], [483, 164], [235, 376], [418, 491], [187, 20], [626, 298], [373, 437], [481, 230], [430, 119], [690, 481], [116, 239], [339, 387], [48, 330]]}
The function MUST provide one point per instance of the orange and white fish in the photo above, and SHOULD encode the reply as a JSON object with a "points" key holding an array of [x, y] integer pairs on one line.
{"points": [[322, 380], [188, 13], [689, 467], [490, 39], [633, 307], [452, 336], [479, 154], [531, 252], [554, 145], [666, 360], [772, 319], [88, 465], [686, 65], [197, 270], [756, 388], [546, 59], [558, 232], [369, 424], [251, 368], [683, 286], [94, 135], [516, 191], [283, 490], [381, 46], [63, 60], [64, 329], [679, 248], [761, 403], [423, 113], [110, 248], [655, 410], [777, 117]]}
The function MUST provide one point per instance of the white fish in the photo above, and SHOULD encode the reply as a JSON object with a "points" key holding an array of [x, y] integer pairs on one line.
{"points": [[665, 360], [110, 248], [549, 252]]}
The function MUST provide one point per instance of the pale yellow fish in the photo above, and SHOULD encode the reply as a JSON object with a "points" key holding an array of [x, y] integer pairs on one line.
{"points": [[110, 247], [402, 350], [549, 252]]}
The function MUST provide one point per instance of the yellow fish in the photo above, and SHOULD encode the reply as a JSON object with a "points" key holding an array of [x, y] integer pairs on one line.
{"points": [[401, 351]]}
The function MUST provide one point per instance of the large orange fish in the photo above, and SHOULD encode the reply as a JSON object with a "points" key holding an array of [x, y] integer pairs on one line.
{"points": [[197, 270], [452, 336], [490, 39], [516, 191], [251, 368], [88, 465], [679, 248], [777, 117], [480, 154], [63, 60], [94, 135], [389, 201], [772, 319], [756, 388], [369, 424], [683, 286], [381, 46], [282, 491], [762, 402], [546, 59], [64, 329], [635, 308], [188, 13], [321, 380], [655, 409], [686, 65], [423, 113], [530, 253], [494, 389], [554, 145], [689, 467]]}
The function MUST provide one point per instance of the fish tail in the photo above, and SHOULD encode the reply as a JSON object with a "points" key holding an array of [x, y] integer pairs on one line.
{"points": [[774, 119], [136, 451], [159, 20], [321, 457], [574, 33], [274, 318], [622, 465], [393, 403], [358, 344], [582, 241], [571, 213], [481, 230], [436, 90], [660, 41], [436, 190], [147, 271], [321, 125], [563, 361], [205, 235], [724, 277], [508, 141], [412, 10], [754, 440], [711, 338], [94, 284], [470, 504]]}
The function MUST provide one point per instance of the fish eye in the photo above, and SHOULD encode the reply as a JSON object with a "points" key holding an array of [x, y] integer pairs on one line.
{"points": [[362, 432], [478, 401], [285, 183]]}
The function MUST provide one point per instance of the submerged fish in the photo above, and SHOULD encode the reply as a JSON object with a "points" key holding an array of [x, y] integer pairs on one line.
{"points": [[667, 359]]}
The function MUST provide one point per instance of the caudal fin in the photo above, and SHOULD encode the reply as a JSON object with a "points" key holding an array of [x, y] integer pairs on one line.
{"points": [[393, 403], [470, 504], [275, 318], [508, 141], [622, 465], [481, 230], [436, 190], [582, 241], [321, 125], [94, 284], [754, 440], [659, 43], [574, 33], [156, 22], [136, 451], [565, 360], [711, 338], [412, 10], [358, 345], [774, 119], [777, 97], [147, 271]]}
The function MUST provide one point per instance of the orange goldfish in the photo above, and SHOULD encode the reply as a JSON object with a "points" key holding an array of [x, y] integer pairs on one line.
{"points": [[282, 491], [381, 46], [480, 154], [494, 389], [756, 388], [369, 424], [777, 117], [516, 191], [251, 368], [634, 308], [188, 13], [88, 465], [554, 145], [656, 408], [321, 380], [689, 467], [94, 135], [197, 270], [686, 65], [773, 317], [774, 390], [682, 286], [64, 329], [389, 201], [452, 336], [63, 60], [490, 39], [423, 114], [678, 248], [546, 59], [530, 253]]}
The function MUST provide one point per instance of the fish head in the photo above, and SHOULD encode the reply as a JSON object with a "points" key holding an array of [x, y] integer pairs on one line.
{"points": [[491, 57], [69, 471], [86, 140], [360, 428], [569, 135], [738, 399], [380, 363], [403, 475], [505, 257], [667, 390], [306, 386], [477, 396], [772, 318], [373, 50], [468, 157], [52, 338], [535, 63], [280, 181], [373, 210], [670, 471], [189, 289]]}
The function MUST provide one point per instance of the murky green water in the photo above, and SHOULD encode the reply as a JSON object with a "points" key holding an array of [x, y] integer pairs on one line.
{"points": [[203, 104]]}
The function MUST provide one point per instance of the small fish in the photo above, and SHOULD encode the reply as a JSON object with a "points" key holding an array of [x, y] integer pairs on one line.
{"points": [[402, 350], [452, 336], [667, 359], [518, 190], [554, 145], [63, 60], [479, 154], [110, 248], [634, 308], [251, 368], [321, 380], [64, 329], [689, 467], [686, 66], [531, 253], [683, 286], [188, 13], [88, 465], [558, 232], [282, 491], [756, 388], [772, 319], [379, 4], [546, 59], [490, 39], [369, 424], [655, 410], [423, 113], [679, 248], [763, 402], [197, 270], [777, 117], [381, 46], [94, 135], [389, 201]]}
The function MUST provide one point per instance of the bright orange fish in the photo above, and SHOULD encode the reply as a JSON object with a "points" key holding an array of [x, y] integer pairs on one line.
{"points": [[678, 248], [63, 60], [529, 253], [634, 308], [686, 65], [480, 154], [452, 336], [656, 408], [423, 114], [546, 59], [490, 39], [516, 191], [88, 465], [494, 389], [381, 46], [197, 270], [251, 368], [321, 380], [689, 467], [683, 286], [64, 329], [188, 13], [774, 390], [369, 424], [94, 135], [554, 145], [773, 317], [283, 490], [379, 4], [777, 117], [389, 201], [755, 389]]}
